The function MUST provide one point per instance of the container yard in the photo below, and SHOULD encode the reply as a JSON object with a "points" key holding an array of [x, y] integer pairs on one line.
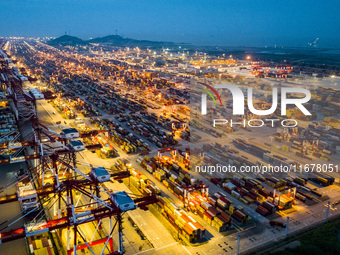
{"points": [[119, 157], [9, 130]]}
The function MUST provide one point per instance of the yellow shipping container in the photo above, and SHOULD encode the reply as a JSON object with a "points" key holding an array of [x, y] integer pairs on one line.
{"points": [[206, 219], [167, 209], [244, 201], [218, 222], [144, 178], [231, 208], [179, 223], [166, 200], [142, 185], [172, 207]]}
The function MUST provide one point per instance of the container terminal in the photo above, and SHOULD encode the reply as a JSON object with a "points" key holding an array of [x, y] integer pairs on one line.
{"points": [[100, 147]]}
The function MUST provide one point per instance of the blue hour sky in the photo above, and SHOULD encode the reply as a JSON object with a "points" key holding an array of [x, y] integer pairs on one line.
{"points": [[207, 22]]}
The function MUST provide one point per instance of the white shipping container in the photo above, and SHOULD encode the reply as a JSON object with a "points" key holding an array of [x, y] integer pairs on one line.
{"points": [[235, 194]]}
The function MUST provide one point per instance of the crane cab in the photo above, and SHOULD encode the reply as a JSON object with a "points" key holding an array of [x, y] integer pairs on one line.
{"points": [[100, 174], [123, 201], [76, 145], [70, 133]]}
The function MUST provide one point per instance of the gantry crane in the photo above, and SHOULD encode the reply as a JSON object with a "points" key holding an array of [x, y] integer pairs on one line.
{"points": [[56, 153], [111, 207]]}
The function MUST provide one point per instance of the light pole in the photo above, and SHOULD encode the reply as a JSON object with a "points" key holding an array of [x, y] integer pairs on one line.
{"points": [[238, 244], [327, 211], [287, 223]]}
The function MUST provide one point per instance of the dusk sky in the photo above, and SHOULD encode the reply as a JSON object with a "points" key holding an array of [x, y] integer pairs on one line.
{"points": [[207, 22]]}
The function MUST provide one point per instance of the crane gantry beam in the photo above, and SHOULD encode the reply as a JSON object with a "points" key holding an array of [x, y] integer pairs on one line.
{"points": [[80, 218]]}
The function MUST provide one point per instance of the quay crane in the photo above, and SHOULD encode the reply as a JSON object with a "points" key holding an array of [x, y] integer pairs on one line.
{"points": [[69, 198]]}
